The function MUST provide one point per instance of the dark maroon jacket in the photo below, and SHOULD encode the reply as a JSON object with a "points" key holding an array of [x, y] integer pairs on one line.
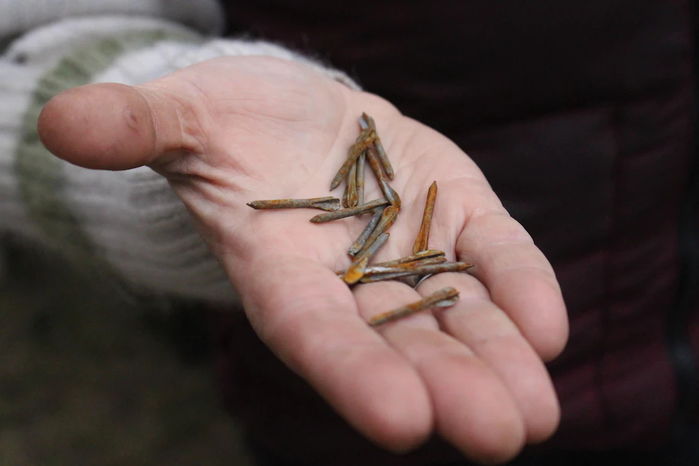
{"points": [[581, 115]]}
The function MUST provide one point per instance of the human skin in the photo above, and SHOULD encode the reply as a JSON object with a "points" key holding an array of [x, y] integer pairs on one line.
{"points": [[235, 129]]}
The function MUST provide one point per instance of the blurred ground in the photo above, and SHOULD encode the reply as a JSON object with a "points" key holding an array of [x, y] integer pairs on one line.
{"points": [[90, 377]]}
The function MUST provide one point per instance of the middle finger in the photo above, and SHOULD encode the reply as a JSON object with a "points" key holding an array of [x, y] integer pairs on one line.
{"points": [[479, 324], [472, 407]]}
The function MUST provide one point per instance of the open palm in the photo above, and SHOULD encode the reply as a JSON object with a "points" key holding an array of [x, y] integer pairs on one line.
{"points": [[236, 129]]}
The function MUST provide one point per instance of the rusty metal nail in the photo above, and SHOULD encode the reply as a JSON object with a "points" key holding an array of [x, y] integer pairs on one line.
{"points": [[328, 203], [371, 250], [423, 236], [361, 175], [367, 122], [388, 192], [444, 297], [406, 266], [429, 269], [364, 235], [356, 269], [388, 216], [428, 253], [364, 142], [342, 213], [352, 186]]}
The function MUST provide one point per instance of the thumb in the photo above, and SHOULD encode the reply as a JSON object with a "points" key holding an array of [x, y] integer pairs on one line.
{"points": [[114, 126]]}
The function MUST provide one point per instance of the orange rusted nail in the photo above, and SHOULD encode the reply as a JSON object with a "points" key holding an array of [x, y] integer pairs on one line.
{"points": [[367, 122], [386, 189], [391, 273], [375, 246], [361, 174], [364, 235], [365, 140], [388, 216], [444, 297], [423, 236], [356, 270], [406, 266], [342, 213], [324, 203], [426, 254], [375, 273], [345, 192], [351, 188]]}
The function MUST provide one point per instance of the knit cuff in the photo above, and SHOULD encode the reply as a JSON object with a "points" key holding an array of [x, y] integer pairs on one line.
{"points": [[129, 222], [17, 17]]}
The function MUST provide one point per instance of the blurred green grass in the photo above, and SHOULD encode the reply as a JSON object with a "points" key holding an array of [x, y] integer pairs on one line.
{"points": [[89, 376]]}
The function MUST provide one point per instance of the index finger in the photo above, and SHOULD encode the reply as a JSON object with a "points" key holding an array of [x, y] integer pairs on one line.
{"points": [[309, 318], [518, 277]]}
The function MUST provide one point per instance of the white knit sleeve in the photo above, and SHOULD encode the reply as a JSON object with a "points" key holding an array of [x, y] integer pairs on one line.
{"points": [[129, 222]]}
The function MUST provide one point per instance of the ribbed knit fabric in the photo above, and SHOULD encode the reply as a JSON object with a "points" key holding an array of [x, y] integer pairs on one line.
{"points": [[19, 16], [127, 224]]}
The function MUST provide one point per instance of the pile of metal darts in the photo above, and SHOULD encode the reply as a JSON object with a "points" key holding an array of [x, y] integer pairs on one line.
{"points": [[410, 269]]}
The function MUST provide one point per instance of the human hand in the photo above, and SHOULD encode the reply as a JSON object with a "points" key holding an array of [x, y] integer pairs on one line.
{"points": [[231, 130]]}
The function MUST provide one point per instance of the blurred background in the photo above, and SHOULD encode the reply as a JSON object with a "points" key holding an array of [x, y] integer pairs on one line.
{"points": [[92, 376]]}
